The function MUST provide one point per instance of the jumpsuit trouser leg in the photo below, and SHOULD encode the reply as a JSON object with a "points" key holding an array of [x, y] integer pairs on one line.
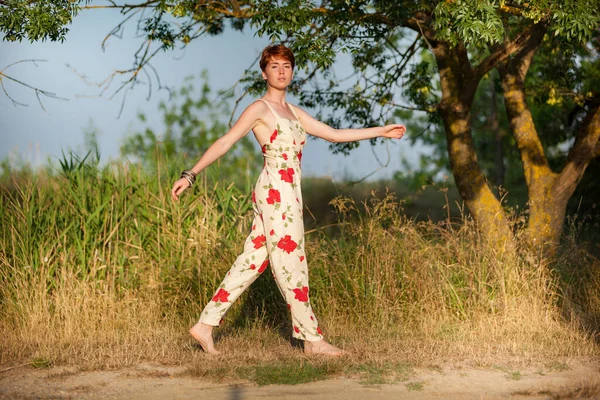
{"points": [[277, 238]]}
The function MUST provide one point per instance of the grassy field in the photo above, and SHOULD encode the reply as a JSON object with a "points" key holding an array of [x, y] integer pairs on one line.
{"points": [[100, 269]]}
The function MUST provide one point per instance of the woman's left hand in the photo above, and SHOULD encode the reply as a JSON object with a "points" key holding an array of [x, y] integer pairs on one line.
{"points": [[394, 131]]}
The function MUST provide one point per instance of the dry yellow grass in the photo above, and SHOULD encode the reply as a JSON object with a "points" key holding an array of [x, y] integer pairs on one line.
{"points": [[106, 275]]}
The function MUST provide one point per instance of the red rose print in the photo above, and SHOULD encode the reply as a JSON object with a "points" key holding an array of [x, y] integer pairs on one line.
{"points": [[301, 258], [259, 241], [221, 296], [263, 266], [272, 232], [301, 294], [285, 156], [287, 175], [312, 318], [253, 196], [282, 216], [289, 306], [296, 329], [287, 244], [299, 156], [274, 136], [274, 196], [253, 227], [302, 142], [319, 330], [264, 149], [252, 266]]}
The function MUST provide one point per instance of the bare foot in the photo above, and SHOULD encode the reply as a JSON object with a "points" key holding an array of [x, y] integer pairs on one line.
{"points": [[203, 334], [322, 347]]}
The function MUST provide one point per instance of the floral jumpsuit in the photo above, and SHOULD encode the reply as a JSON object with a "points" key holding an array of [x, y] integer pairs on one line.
{"points": [[277, 236]]}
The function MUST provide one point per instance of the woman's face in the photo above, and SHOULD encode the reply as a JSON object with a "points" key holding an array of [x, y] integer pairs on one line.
{"points": [[278, 73]]}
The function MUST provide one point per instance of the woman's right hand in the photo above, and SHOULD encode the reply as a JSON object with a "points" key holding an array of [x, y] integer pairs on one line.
{"points": [[179, 187]]}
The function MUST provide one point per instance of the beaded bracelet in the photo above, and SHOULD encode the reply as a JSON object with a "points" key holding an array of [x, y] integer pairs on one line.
{"points": [[189, 175]]}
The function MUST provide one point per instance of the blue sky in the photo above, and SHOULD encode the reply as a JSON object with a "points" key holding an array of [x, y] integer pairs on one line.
{"points": [[34, 135]]}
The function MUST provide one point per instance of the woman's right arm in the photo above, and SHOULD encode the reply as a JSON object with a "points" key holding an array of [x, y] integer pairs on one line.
{"points": [[324, 131], [245, 123]]}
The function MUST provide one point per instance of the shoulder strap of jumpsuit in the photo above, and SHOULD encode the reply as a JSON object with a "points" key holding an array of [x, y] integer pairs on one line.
{"points": [[293, 111]]}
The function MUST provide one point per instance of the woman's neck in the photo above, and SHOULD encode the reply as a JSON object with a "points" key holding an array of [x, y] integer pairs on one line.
{"points": [[275, 96]]}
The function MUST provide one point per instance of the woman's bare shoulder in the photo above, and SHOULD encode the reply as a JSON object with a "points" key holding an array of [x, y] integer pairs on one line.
{"points": [[259, 104], [255, 111]]}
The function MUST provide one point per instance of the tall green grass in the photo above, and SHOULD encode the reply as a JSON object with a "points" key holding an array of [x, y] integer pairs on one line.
{"points": [[98, 267]]}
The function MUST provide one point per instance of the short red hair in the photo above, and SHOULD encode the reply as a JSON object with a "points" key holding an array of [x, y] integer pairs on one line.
{"points": [[276, 51]]}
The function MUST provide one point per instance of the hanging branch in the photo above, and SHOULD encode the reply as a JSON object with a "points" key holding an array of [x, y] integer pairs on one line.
{"points": [[38, 92]]}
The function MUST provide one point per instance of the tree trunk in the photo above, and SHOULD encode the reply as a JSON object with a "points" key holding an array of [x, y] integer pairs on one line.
{"points": [[582, 152], [458, 83], [540, 180], [549, 192]]}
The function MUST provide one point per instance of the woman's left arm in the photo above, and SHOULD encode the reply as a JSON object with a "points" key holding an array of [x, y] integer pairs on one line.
{"points": [[324, 131]]}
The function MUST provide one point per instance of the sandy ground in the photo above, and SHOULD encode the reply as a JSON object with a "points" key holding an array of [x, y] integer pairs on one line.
{"points": [[576, 380]]}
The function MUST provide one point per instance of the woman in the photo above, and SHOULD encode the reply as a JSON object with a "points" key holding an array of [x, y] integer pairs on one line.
{"points": [[277, 236]]}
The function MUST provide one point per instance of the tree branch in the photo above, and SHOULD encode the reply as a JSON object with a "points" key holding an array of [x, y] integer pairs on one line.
{"points": [[586, 147], [421, 23], [531, 37], [124, 7], [533, 157], [38, 92]]}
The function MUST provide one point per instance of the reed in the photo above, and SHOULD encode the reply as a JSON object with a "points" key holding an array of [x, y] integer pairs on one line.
{"points": [[99, 268]]}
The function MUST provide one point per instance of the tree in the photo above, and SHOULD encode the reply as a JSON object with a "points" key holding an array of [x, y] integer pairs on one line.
{"points": [[556, 89], [467, 39], [550, 189]]}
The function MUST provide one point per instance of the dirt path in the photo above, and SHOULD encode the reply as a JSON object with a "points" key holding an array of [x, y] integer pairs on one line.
{"points": [[579, 380]]}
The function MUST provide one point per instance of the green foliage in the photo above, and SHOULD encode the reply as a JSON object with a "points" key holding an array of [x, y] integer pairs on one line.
{"points": [[421, 85], [469, 22], [193, 120], [575, 20], [156, 28], [561, 84], [37, 20], [477, 22]]}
